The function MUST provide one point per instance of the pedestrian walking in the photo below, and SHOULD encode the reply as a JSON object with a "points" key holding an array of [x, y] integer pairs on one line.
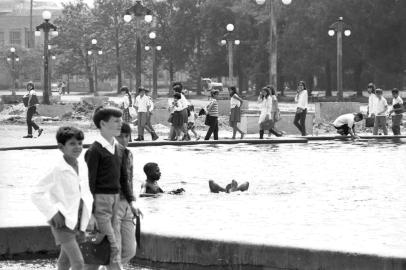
{"points": [[276, 114], [235, 111], [141, 106], [30, 101], [212, 110], [301, 99], [148, 125], [126, 104], [265, 117]]}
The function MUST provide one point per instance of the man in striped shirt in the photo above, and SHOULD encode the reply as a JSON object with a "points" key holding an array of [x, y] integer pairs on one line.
{"points": [[212, 116]]}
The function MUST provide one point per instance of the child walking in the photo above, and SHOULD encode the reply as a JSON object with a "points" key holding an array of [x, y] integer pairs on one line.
{"points": [[108, 176], [64, 198], [191, 121], [177, 119], [212, 116]]}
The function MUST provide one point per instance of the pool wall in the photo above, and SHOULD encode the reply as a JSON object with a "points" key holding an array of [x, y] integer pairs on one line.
{"points": [[174, 252]]}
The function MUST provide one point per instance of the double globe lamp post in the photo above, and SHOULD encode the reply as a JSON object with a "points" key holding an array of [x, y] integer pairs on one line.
{"points": [[273, 36], [338, 28], [94, 50], [47, 28], [152, 45], [229, 41], [140, 12], [13, 58]]}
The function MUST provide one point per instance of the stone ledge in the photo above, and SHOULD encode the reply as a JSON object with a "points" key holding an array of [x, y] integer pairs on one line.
{"points": [[194, 253]]}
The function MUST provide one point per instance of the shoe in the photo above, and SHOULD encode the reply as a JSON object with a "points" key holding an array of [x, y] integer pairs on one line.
{"points": [[242, 136], [154, 136], [138, 139], [198, 138], [27, 136], [40, 131]]}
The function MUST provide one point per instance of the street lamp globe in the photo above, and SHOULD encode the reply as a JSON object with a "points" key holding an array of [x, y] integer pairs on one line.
{"points": [[230, 27], [127, 18], [17, 59], [237, 42], [37, 33], [223, 42], [147, 48], [54, 33], [89, 52], [46, 15], [286, 2], [260, 2], [159, 47], [12, 49], [49, 47], [94, 41], [148, 18], [53, 57], [100, 52], [8, 59], [331, 32], [152, 35], [347, 32]]}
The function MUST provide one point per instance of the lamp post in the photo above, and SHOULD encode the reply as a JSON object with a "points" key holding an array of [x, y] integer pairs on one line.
{"points": [[152, 45], [94, 50], [51, 68], [46, 27], [229, 41], [140, 12], [273, 37], [338, 28], [13, 57]]}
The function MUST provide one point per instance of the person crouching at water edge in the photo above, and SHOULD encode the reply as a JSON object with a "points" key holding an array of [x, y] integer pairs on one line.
{"points": [[380, 109], [151, 188], [345, 124], [233, 186], [64, 198]]}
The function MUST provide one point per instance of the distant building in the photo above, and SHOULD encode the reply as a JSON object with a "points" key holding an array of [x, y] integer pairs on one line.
{"points": [[15, 21]]}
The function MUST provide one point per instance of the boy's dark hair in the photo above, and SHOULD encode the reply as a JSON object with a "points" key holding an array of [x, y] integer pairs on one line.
{"points": [[395, 91], [191, 108], [178, 84], [360, 116], [177, 95], [149, 166], [125, 128], [232, 90], [66, 133], [379, 91], [177, 88], [104, 113]]}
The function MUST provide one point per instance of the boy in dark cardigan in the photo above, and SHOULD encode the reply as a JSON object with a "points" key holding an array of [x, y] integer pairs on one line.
{"points": [[108, 176]]}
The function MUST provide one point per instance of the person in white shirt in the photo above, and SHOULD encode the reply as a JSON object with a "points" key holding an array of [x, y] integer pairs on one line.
{"points": [[235, 113], [142, 104], [30, 101], [301, 99], [371, 100], [397, 110], [380, 110], [345, 124], [191, 121], [148, 125], [63, 196], [265, 117]]}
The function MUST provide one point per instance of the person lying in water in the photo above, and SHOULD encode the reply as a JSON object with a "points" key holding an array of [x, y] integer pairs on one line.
{"points": [[151, 188], [233, 186]]}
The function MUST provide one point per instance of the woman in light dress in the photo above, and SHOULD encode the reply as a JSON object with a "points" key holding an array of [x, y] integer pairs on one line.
{"points": [[265, 102], [235, 114]]}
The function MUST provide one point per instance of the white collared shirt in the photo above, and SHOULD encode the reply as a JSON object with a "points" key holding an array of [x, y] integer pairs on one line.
{"points": [[141, 103], [109, 147], [126, 101], [234, 102], [61, 190], [150, 104], [380, 106], [397, 100], [302, 99], [184, 101], [372, 99]]}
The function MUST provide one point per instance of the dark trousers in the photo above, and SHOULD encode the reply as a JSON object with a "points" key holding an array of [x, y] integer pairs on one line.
{"points": [[396, 122], [30, 124], [343, 130], [300, 120], [213, 127]]}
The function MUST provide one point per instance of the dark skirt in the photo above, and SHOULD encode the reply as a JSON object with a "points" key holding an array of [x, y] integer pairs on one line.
{"points": [[178, 119], [126, 115], [235, 116]]}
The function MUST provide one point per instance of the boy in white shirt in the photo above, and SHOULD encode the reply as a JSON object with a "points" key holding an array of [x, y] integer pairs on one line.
{"points": [[397, 109], [345, 124], [63, 196], [380, 109], [301, 99], [142, 104]]}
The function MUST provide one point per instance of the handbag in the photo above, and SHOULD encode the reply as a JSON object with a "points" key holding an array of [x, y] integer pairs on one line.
{"points": [[132, 111], [95, 251], [267, 123], [369, 121]]}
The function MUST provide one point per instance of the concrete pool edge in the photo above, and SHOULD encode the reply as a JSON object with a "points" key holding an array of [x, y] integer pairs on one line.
{"points": [[194, 253], [174, 143]]}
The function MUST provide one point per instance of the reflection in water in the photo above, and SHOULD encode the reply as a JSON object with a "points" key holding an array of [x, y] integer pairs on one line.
{"points": [[339, 195]]}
